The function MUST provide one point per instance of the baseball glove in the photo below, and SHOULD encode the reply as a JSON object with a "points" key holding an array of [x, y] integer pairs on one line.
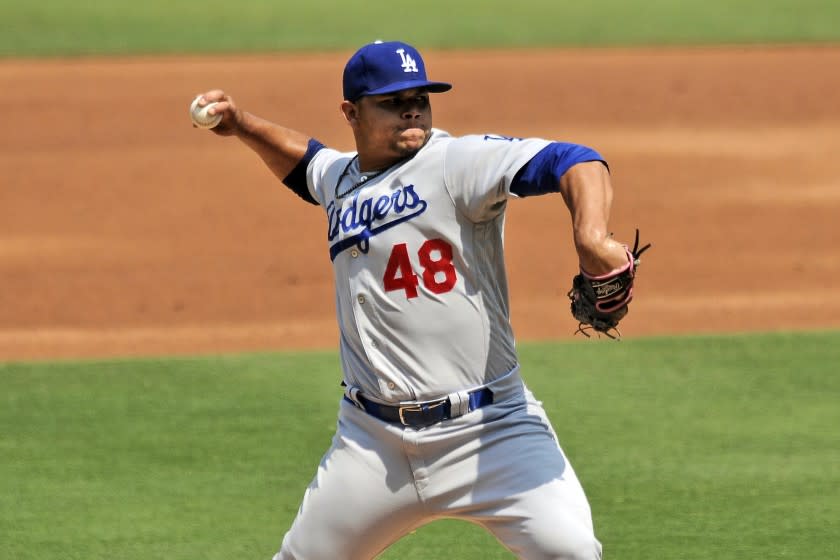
{"points": [[599, 303]]}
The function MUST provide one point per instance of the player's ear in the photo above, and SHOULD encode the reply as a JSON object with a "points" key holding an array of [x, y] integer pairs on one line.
{"points": [[350, 111]]}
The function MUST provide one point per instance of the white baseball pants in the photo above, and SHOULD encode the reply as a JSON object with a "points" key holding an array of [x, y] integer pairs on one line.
{"points": [[500, 467]]}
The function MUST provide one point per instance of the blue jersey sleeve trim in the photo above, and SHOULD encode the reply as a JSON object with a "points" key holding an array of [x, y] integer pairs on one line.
{"points": [[542, 173], [296, 179]]}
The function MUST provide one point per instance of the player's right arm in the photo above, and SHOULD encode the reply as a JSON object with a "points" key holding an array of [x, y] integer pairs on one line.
{"points": [[279, 147]]}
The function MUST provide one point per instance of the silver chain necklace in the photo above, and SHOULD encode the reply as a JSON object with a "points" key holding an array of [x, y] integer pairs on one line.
{"points": [[362, 180]]}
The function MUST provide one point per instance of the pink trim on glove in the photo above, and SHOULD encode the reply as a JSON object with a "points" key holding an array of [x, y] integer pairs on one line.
{"points": [[623, 295], [619, 303]]}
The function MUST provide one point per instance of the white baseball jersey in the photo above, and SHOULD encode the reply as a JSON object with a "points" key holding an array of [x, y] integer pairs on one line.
{"points": [[417, 254]]}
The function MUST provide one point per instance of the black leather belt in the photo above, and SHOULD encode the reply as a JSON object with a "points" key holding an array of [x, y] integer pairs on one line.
{"points": [[422, 414]]}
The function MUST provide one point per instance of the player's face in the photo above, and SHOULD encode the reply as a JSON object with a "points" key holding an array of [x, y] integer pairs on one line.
{"points": [[395, 125]]}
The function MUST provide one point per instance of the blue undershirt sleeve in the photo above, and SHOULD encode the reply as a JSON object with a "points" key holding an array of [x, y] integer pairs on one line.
{"points": [[296, 179], [542, 173]]}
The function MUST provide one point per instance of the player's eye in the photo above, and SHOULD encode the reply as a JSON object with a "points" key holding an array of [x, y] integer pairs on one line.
{"points": [[397, 103]]}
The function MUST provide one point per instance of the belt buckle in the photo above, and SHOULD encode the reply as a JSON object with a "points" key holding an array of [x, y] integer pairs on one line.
{"points": [[417, 408]]}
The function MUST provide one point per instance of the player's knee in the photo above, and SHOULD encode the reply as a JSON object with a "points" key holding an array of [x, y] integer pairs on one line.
{"points": [[315, 549], [574, 538], [579, 549], [567, 544], [285, 554], [586, 549], [583, 546]]}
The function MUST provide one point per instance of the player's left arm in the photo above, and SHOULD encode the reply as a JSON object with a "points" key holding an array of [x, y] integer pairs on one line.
{"points": [[588, 194], [603, 289], [582, 177]]}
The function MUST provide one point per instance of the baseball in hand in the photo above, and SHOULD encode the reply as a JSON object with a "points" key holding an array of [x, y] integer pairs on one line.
{"points": [[200, 117]]}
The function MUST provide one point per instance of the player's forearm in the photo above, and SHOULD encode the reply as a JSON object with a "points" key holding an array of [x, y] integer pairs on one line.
{"points": [[587, 192], [599, 254], [279, 147]]}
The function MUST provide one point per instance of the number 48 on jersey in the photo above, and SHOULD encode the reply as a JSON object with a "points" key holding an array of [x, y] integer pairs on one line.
{"points": [[438, 273]]}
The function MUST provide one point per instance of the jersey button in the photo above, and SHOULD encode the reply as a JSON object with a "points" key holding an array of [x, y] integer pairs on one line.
{"points": [[361, 299], [354, 253]]}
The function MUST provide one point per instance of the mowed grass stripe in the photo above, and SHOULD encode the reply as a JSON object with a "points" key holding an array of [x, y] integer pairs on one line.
{"points": [[62, 27]]}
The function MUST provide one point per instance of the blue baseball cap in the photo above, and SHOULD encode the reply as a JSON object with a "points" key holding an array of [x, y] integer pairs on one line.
{"points": [[386, 67]]}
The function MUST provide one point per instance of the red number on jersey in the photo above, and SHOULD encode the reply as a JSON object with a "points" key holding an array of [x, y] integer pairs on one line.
{"points": [[400, 263], [442, 265], [439, 274]]}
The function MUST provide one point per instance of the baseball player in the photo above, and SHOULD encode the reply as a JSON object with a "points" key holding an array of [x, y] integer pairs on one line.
{"points": [[435, 420]]}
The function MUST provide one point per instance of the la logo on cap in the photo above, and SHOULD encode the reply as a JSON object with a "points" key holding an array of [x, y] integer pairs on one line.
{"points": [[374, 69], [408, 63]]}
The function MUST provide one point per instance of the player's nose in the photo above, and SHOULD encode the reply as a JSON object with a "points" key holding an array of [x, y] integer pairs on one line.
{"points": [[413, 109], [412, 113]]}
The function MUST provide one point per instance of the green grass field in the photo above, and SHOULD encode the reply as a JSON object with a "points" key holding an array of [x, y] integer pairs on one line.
{"points": [[689, 448], [65, 27]]}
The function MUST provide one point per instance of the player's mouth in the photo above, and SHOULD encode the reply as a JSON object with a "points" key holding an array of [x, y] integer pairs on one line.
{"points": [[413, 132], [411, 139]]}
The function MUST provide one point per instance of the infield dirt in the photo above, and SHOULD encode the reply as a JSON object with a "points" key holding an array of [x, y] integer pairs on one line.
{"points": [[124, 231]]}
